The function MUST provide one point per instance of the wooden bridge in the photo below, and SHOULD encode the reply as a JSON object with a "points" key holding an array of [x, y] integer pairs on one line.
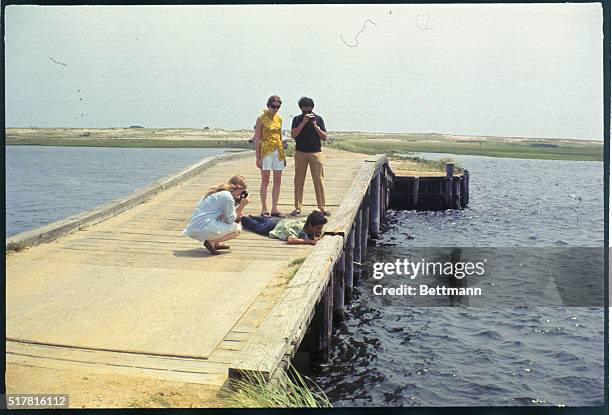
{"points": [[116, 308]]}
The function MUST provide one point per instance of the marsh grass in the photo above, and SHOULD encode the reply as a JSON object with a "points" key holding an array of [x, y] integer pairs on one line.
{"points": [[415, 163], [292, 269], [289, 390], [16, 247], [297, 261], [359, 142], [395, 144]]}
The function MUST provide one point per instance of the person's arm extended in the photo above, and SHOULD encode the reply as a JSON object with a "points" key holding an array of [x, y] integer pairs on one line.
{"points": [[298, 129], [299, 241], [257, 139]]}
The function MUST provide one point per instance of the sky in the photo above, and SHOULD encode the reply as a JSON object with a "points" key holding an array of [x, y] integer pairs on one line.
{"points": [[523, 70]]}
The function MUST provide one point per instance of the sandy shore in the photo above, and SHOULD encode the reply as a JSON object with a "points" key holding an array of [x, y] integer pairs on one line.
{"points": [[361, 142], [126, 133]]}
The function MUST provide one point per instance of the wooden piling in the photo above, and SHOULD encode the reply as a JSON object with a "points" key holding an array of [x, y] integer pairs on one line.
{"points": [[357, 250], [415, 192], [449, 185], [321, 326], [456, 193], [383, 196], [462, 190], [466, 178], [388, 181], [375, 207], [338, 303], [365, 225], [381, 203], [348, 266]]}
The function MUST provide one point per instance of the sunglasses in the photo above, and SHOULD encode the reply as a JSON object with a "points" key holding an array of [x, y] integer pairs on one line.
{"points": [[275, 106]]}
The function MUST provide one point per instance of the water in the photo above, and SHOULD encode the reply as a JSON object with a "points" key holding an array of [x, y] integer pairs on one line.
{"points": [[45, 184], [391, 352]]}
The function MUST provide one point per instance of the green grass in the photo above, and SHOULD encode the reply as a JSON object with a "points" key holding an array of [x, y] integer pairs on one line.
{"points": [[405, 162], [490, 146], [16, 247], [369, 143], [291, 390], [297, 261]]}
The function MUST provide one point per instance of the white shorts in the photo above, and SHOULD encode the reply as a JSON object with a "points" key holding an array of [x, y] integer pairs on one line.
{"points": [[271, 162]]}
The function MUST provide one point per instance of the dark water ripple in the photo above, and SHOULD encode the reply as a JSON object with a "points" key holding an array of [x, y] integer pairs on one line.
{"points": [[392, 354], [45, 184]]}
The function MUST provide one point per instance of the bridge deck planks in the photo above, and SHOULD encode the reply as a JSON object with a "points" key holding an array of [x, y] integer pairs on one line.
{"points": [[132, 286]]}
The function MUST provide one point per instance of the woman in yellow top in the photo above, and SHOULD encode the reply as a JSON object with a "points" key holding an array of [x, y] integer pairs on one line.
{"points": [[270, 154]]}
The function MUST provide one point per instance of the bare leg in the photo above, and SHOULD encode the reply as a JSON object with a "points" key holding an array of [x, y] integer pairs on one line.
{"points": [[224, 238], [276, 186], [263, 189]]}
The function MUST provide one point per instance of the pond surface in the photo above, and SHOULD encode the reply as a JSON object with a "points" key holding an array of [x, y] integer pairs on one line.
{"points": [[45, 183], [520, 351]]}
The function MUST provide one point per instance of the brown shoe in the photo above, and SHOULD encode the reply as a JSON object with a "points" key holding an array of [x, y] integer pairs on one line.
{"points": [[295, 212], [210, 248], [325, 212]]}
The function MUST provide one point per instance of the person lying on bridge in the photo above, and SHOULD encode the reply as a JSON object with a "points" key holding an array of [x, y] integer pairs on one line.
{"points": [[294, 231], [216, 218]]}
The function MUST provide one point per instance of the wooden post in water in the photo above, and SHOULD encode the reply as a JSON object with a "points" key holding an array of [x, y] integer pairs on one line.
{"points": [[466, 178], [387, 200], [383, 195], [365, 225], [456, 192], [357, 250], [348, 266], [462, 189], [375, 207], [449, 185], [338, 303], [415, 192], [321, 325]]}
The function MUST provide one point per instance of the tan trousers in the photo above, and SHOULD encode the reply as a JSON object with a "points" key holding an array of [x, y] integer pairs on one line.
{"points": [[302, 161]]}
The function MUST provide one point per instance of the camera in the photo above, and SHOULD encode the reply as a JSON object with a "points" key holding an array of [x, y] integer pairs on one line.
{"points": [[244, 194], [311, 117]]}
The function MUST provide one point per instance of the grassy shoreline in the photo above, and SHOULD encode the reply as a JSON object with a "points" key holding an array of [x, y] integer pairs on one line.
{"points": [[369, 143]]}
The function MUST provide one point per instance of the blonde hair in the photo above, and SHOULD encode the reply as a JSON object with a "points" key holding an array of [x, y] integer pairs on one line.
{"points": [[232, 183]]}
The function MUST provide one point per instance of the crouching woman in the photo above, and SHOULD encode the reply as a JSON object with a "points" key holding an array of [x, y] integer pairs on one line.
{"points": [[216, 218]]}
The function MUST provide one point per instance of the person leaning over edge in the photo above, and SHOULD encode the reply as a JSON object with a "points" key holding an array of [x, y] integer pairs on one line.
{"points": [[294, 231], [308, 129]]}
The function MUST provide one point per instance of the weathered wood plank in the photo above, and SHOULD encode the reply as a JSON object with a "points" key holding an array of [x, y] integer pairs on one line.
{"points": [[288, 321], [145, 241], [346, 212], [111, 358], [62, 227]]}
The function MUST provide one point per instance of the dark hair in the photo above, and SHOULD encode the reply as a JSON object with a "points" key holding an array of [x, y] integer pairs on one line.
{"points": [[305, 102], [274, 98], [315, 218]]}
